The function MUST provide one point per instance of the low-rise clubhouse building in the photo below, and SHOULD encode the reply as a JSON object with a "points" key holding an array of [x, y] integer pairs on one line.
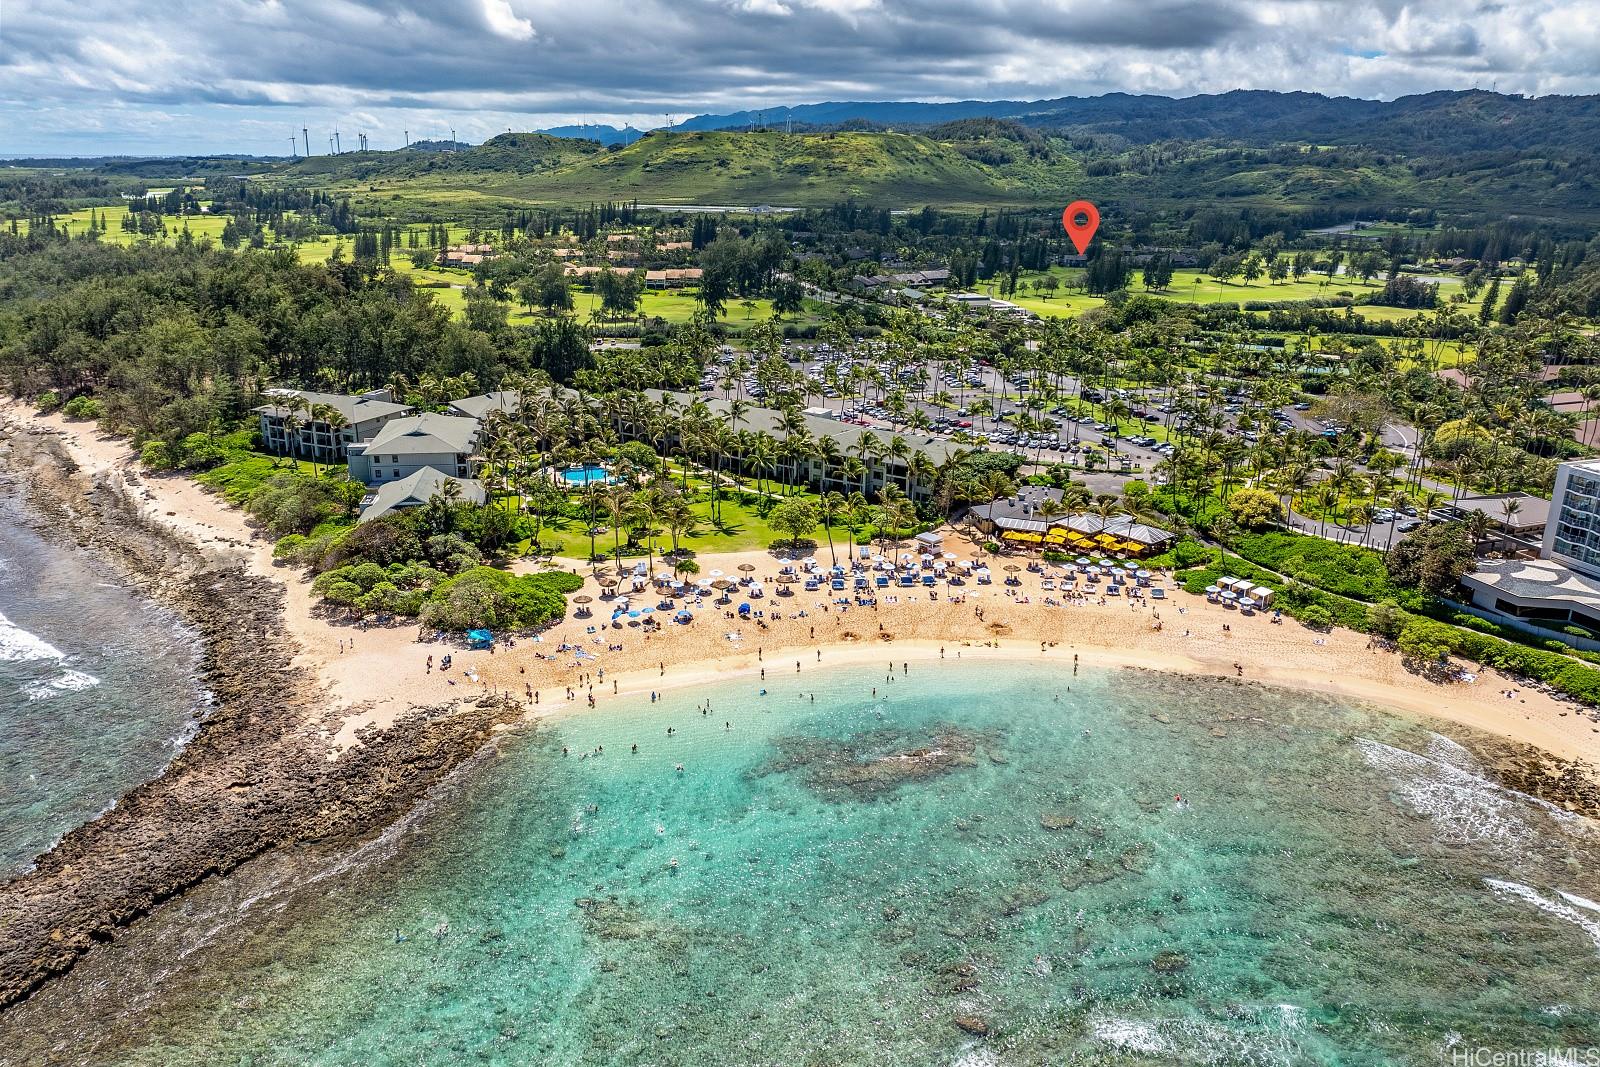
{"points": [[1561, 588], [417, 490], [1028, 520]]}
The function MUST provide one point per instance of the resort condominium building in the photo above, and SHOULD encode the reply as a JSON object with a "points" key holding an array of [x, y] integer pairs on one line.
{"points": [[291, 422], [407, 445], [1572, 536]]}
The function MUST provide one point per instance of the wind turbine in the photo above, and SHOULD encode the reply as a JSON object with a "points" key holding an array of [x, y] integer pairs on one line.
{"points": [[294, 146], [338, 146], [307, 135]]}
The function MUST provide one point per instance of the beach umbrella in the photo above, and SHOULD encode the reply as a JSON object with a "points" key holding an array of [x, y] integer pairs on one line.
{"points": [[1083, 561], [721, 583], [715, 574], [1141, 573], [648, 610], [608, 583], [787, 579], [747, 567], [583, 598], [1213, 590], [1229, 594], [633, 614]]}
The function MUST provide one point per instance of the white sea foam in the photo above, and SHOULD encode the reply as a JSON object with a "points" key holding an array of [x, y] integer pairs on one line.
{"points": [[68, 681], [1582, 902], [1445, 750], [1464, 805], [1130, 1034], [19, 646], [977, 1057], [1584, 921]]}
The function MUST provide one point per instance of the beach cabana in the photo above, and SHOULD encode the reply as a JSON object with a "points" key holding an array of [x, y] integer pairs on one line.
{"points": [[1261, 595], [480, 638]]}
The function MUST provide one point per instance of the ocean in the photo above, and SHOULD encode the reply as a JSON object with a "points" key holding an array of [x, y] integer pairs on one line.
{"points": [[97, 687], [979, 864]]}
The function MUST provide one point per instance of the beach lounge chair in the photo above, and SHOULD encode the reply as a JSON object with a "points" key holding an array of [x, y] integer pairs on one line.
{"points": [[883, 581], [928, 579], [1113, 590], [812, 585], [1158, 593], [837, 583]]}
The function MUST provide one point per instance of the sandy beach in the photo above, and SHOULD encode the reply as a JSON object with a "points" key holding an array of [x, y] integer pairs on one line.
{"points": [[324, 730], [375, 674]]}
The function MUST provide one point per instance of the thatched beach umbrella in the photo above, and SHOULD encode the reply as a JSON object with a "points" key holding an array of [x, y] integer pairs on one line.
{"points": [[1012, 567], [787, 579], [747, 567], [583, 598], [722, 583]]}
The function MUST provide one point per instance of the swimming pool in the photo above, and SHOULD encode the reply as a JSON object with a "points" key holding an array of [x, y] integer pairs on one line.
{"points": [[584, 475]]}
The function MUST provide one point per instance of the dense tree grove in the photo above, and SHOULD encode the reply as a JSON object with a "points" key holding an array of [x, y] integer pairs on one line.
{"points": [[174, 340]]}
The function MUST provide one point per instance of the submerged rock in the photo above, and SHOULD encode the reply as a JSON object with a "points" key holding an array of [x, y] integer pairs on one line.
{"points": [[874, 763], [1052, 821], [1089, 873], [973, 1024], [1169, 962], [1028, 896]]}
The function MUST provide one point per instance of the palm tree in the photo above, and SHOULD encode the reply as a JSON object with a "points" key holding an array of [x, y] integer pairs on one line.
{"points": [[831, 457], [1509, 508], [617, 500], [291, 430], [678, 518], [894, 512], [830, 506], [593, 501]]}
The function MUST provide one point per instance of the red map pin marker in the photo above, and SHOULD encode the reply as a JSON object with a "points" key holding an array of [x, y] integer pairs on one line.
{"points": [[1081, 233]]}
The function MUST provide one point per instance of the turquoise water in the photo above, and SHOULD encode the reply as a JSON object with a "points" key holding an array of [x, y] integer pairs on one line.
{"points": [[96, 688], [584, 475], [996, 842]]}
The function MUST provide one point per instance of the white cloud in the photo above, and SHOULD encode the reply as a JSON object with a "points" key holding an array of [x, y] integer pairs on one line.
{"points": [[210, 69], [505, 22]]}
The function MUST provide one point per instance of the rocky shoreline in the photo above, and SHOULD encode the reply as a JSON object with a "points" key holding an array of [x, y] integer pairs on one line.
{"points": [[257, 774]]}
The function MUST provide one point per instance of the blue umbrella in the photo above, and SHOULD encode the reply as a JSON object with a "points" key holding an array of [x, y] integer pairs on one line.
{"points": [[633, 614], [648, 611]]}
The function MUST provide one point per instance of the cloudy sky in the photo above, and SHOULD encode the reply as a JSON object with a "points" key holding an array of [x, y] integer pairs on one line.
{"points": [[149, 76]]}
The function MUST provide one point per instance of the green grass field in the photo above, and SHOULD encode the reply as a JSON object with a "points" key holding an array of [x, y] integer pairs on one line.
{"points": [[743, 529], [1195, 287]]}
